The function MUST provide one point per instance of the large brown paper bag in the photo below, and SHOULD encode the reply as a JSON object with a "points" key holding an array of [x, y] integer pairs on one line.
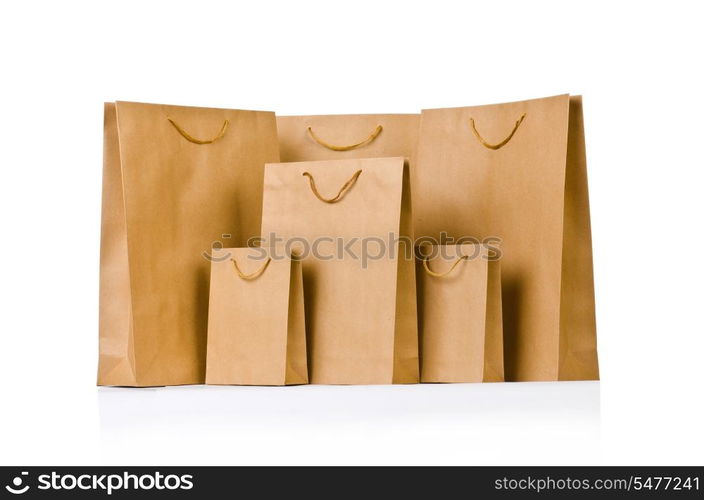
{"points": [[256, 323], [338, 137], [176, 180], [517, 171], [350, 222], [459, 313]]}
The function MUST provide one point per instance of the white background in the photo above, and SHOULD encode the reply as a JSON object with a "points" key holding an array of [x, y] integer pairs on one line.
{"points": [[638, 66]]}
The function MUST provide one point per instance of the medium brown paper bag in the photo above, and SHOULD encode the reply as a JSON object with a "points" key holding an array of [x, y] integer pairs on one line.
{"points": [[256, 323], [459, 311], [517, 171], [175, 180], [338, 137], [350, 221]]}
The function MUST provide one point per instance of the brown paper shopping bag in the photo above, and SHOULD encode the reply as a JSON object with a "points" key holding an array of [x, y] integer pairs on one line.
{"points": [[350, 220], [459, 314], [175, 180], [338, 137], [517, 172], [256, 323]]}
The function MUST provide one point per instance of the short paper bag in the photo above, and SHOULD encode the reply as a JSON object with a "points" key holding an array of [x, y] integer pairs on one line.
{"points": [[338, 137], [518, 172], [256, 323], [351, 222], [176, 180], [459, 311]]}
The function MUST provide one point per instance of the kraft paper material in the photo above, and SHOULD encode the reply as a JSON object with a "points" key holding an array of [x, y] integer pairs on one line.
{"points": [[256, 322], [339, 137], [517, 171], [459, 311], [175, 180], [360, 311]]}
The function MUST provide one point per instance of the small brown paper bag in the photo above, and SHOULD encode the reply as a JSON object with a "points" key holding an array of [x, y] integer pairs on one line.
{"points": [[518, 172], [459, 311], [175, 180], [338, 137], [350, 221], [256, 323]]}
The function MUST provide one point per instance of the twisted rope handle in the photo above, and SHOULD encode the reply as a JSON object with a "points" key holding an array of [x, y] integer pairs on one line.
{"points": [[442, 275], [501, 144], [341, 194], [333, 147], [192, 139], [255, 274]]}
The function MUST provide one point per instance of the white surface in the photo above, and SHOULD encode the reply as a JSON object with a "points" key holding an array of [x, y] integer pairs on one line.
{"points": [[638, 66]]}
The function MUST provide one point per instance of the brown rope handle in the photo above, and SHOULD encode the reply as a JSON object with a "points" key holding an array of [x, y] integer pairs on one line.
{"points": [[255, 274], [501, 144], [333, 147], [192, 139], [341, 194], [442, 275]]}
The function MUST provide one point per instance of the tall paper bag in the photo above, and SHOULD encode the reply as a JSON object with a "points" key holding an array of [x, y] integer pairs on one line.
{"points": [[350, 221], [517, 172], [175, 180]]}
